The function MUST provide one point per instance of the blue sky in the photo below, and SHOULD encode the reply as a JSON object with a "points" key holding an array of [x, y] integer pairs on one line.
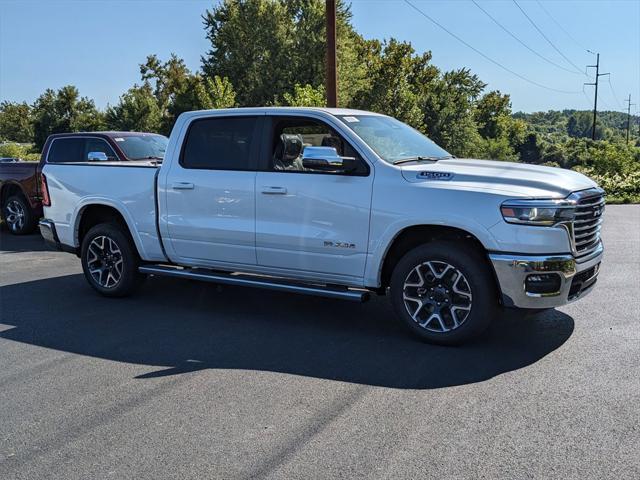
{"points": [[97, 45]]}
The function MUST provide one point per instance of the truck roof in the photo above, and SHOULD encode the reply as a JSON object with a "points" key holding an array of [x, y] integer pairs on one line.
{"points": [[280, 110], [111, 134]]}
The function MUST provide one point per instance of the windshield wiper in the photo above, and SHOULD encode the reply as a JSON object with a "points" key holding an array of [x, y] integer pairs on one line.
{"points": [[419, 159]]}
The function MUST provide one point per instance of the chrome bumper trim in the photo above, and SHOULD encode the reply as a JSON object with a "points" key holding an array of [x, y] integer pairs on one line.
{"points": [[512, 270]]}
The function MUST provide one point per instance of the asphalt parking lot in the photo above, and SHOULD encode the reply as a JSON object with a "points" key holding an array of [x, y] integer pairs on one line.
{"points": [[186, 380]]}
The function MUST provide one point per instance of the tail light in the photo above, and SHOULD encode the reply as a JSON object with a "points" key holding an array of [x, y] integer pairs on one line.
{"points": [[44, 189]]}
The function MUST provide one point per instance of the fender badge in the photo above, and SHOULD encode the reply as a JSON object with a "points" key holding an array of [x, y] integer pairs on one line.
{"points": [[435, 175], [328, 243]]}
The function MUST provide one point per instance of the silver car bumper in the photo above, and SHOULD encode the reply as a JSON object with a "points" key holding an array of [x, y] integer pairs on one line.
{"points": [[574, 278]]}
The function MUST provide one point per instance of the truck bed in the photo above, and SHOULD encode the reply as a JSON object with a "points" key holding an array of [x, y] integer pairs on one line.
{"points": [[17, 171], [127, 186]]}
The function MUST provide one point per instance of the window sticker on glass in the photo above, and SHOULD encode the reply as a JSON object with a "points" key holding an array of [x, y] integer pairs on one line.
{"points": [[350, 119], [119, 139]]}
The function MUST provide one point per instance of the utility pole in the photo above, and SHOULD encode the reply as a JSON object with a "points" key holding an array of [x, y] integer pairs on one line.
{"points": [[332, 74], [595, 101], [629, 116]]}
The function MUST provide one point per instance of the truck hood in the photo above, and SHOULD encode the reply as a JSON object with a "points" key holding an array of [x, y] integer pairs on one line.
{"points": [[516, 179]]}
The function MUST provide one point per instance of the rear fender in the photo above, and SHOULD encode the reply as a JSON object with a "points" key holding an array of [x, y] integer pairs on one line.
{"points": [[117, 206]]}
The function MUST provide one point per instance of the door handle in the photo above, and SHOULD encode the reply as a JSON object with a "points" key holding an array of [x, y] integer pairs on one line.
{"points": [[183, 186], [274, 190]]}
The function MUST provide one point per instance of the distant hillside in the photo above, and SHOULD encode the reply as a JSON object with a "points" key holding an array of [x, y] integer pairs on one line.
{"points": [[578, 123]]}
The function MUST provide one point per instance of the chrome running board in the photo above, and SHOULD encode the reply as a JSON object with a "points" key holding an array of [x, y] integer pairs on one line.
{"points": [[269, 283]]}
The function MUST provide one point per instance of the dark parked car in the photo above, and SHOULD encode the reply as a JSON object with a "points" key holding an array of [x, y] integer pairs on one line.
{"points": [[21, 182]]}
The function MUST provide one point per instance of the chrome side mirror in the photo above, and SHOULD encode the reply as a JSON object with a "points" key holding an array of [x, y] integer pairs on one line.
{"points": [[97, 157], [326, 159]]}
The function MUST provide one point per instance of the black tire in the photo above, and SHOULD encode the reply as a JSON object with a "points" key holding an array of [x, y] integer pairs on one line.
{"points": [[103, 262], [18, 216], [452, 318]]}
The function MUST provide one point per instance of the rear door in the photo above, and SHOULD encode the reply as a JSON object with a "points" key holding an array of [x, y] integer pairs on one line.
{"points": [[308, 220], [210, 192]]}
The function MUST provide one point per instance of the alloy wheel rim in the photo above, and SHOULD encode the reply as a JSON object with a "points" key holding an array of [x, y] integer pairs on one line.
{"points": [[104, 261], [437, 296], [15, 215]]}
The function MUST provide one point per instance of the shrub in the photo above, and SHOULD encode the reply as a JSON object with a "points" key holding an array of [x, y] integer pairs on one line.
{"points": [[619, 187], [19, 150]]}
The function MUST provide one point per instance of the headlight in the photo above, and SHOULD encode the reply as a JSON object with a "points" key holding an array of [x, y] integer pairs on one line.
{"points": [[538, 212]]}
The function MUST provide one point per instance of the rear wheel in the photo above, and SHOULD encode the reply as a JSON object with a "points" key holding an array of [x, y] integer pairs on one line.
{"points": [[444, 292], [110, 261], [18, 215]]}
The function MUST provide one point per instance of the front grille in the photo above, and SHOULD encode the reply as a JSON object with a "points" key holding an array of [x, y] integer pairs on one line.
{"points": [[588, 222]]}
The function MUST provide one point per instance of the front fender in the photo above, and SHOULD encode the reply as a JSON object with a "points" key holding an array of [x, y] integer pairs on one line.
{"points": [[379, 245]]}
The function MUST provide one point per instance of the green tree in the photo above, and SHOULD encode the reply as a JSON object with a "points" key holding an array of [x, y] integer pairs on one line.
{"points": [[490, 109], [168, 80], [204, 93], [496, 149], [64, 111], [137, 110], [399, 79], [529, 150], [448, 112], [266, 47], [16, 122], [305, 96], [580, 124]]}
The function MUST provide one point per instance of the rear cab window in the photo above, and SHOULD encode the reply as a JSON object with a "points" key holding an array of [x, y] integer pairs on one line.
{"points": [[66, 150], [222, 143]]}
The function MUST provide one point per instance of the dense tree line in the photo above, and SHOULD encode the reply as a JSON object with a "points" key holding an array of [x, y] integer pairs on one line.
{"points": [[271, 52]]}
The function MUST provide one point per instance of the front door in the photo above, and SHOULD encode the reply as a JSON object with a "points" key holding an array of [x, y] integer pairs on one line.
{"points": [[310, 221], [210, 193]]}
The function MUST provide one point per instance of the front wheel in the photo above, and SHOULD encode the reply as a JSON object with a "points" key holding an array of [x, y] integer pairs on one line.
{"points": [[110, 261], [444, 292]]}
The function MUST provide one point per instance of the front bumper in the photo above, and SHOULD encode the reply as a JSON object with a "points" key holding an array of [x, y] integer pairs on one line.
{"points": [[577, 277]]}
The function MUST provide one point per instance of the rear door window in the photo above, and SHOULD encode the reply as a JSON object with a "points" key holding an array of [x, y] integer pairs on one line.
{"points": [[65, 150], [222, 143]]}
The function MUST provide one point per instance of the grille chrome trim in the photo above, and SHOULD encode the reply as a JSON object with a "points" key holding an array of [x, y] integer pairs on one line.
{"points": [[585, 227], [588, 234], [597, 202], [584, 231]]}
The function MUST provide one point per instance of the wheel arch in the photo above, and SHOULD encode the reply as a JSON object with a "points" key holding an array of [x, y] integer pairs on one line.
{"points": [[412, 236], [100, 211], [10, 188]]}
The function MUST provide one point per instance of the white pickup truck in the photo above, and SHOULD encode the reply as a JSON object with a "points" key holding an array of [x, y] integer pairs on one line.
{"points": [[332, 202]]}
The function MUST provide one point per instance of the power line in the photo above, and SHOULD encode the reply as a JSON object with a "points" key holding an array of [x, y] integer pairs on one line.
{"points": [[613, 92], [585, 96], [546, 38], [560, 26], [486, 56], [521, 42]]}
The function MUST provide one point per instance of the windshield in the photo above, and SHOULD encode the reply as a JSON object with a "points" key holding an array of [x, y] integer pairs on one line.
{"points": [[142, 147], [393, 140]]}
